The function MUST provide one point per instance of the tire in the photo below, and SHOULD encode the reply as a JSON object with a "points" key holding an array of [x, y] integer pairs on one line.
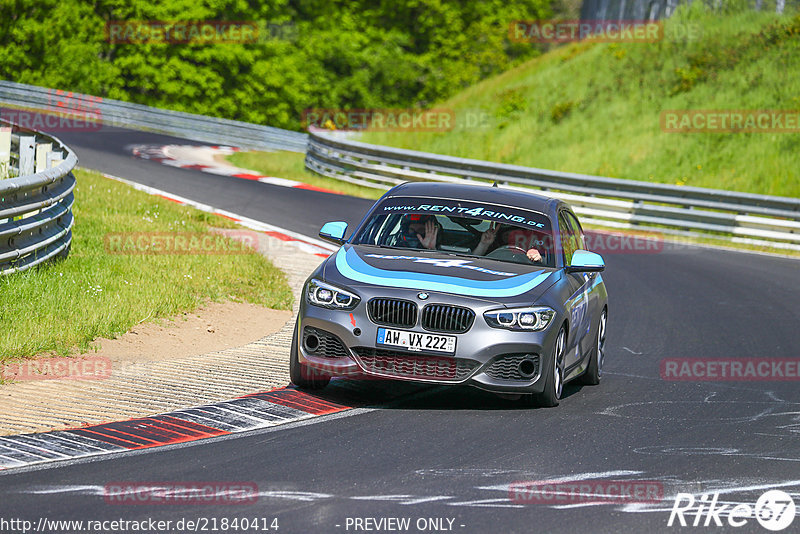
{"points": [[595, 370], [554, 382], [301, 375]]}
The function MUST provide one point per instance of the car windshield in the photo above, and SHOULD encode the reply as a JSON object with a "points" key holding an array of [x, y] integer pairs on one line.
{"points": [[461, 227]]}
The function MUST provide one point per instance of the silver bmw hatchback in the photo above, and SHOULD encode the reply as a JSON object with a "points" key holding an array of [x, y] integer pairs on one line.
{"points": [[456, 284]]}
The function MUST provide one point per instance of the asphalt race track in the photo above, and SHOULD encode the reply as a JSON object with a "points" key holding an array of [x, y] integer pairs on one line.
{"points": [[300, 211], [451, 454]]}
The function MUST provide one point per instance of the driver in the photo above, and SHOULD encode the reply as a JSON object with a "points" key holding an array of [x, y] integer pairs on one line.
{"points": [[519, 241], [418, 231]]}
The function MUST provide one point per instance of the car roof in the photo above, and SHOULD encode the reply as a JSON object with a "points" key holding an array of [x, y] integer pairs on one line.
{"points": [[478, 192]]}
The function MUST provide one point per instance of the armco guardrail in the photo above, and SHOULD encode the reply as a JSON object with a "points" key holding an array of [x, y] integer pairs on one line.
{"points": [[687, 211], [36, 184], [108, 112]]}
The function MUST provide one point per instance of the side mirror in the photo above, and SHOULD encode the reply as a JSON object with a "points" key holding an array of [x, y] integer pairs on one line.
{"points": [[333, 232], [584, 261]]}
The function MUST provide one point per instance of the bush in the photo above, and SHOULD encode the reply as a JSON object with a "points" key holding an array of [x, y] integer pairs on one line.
{"points": [[338, 54]]}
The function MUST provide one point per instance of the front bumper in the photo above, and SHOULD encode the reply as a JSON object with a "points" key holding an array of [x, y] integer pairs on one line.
{"points": [[485, 357]]}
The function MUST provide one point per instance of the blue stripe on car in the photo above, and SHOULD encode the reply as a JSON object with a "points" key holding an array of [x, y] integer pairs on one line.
{"points": [[353, 267]]}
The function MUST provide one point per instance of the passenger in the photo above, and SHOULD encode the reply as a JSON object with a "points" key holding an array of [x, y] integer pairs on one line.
{"points": [[490, 235]]}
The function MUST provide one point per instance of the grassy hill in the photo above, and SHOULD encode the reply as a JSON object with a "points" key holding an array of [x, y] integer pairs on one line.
{"points": [[594, 107]]}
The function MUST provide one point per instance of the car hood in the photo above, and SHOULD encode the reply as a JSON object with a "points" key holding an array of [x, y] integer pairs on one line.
{"points": [[437, 271]]}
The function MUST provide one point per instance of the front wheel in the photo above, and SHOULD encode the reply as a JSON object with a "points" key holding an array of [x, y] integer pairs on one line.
{"points": [[554, 382], [301, 375], [595, 370]]}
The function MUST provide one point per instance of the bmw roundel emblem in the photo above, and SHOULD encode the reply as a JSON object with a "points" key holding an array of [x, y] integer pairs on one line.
{"points": [[422, 296]]}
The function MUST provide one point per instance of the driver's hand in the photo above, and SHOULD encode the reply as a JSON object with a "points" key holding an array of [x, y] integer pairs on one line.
{"points": [[534, 255], [487, 238], [431, 234]]}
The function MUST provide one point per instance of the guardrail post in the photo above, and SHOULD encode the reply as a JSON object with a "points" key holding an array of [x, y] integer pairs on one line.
{"points": [[27, 144], [42, 149], [5, 152], [54, 158]]}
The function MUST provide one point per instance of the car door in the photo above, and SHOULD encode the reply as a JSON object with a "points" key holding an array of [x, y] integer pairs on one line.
{"points": [[578, 304], [594, 280]]}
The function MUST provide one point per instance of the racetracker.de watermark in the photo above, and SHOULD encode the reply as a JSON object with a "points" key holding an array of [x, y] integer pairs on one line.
{"points": [[624, 243], [598, 241], [382, 120], [729, 121], [603, 31], [181, 493], [88, 368], [53, 121], [204, 32], [730, 369], [59, 100], [182, 243], [585, 491]]}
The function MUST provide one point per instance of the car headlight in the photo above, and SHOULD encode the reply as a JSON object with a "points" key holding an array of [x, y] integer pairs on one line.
{"points": [[328, 296], [528, 319]]}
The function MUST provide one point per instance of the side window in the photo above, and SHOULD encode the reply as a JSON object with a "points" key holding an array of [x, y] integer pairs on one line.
{"points": [[568, 238], [577, 231]]}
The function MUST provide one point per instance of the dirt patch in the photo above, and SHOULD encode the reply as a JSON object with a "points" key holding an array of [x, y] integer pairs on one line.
{"points": [[216, 326], [222, 159]]}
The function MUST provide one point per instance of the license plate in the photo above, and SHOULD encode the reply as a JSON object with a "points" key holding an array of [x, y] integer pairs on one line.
{"points": [[416, 341]]}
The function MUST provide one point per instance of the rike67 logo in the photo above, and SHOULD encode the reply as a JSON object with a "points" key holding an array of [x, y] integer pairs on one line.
{"points": [[775, 510]]}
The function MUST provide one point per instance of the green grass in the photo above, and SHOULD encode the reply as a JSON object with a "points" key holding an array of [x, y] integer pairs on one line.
{"points": [[291, 165], [63, 306], [595, 108]]}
